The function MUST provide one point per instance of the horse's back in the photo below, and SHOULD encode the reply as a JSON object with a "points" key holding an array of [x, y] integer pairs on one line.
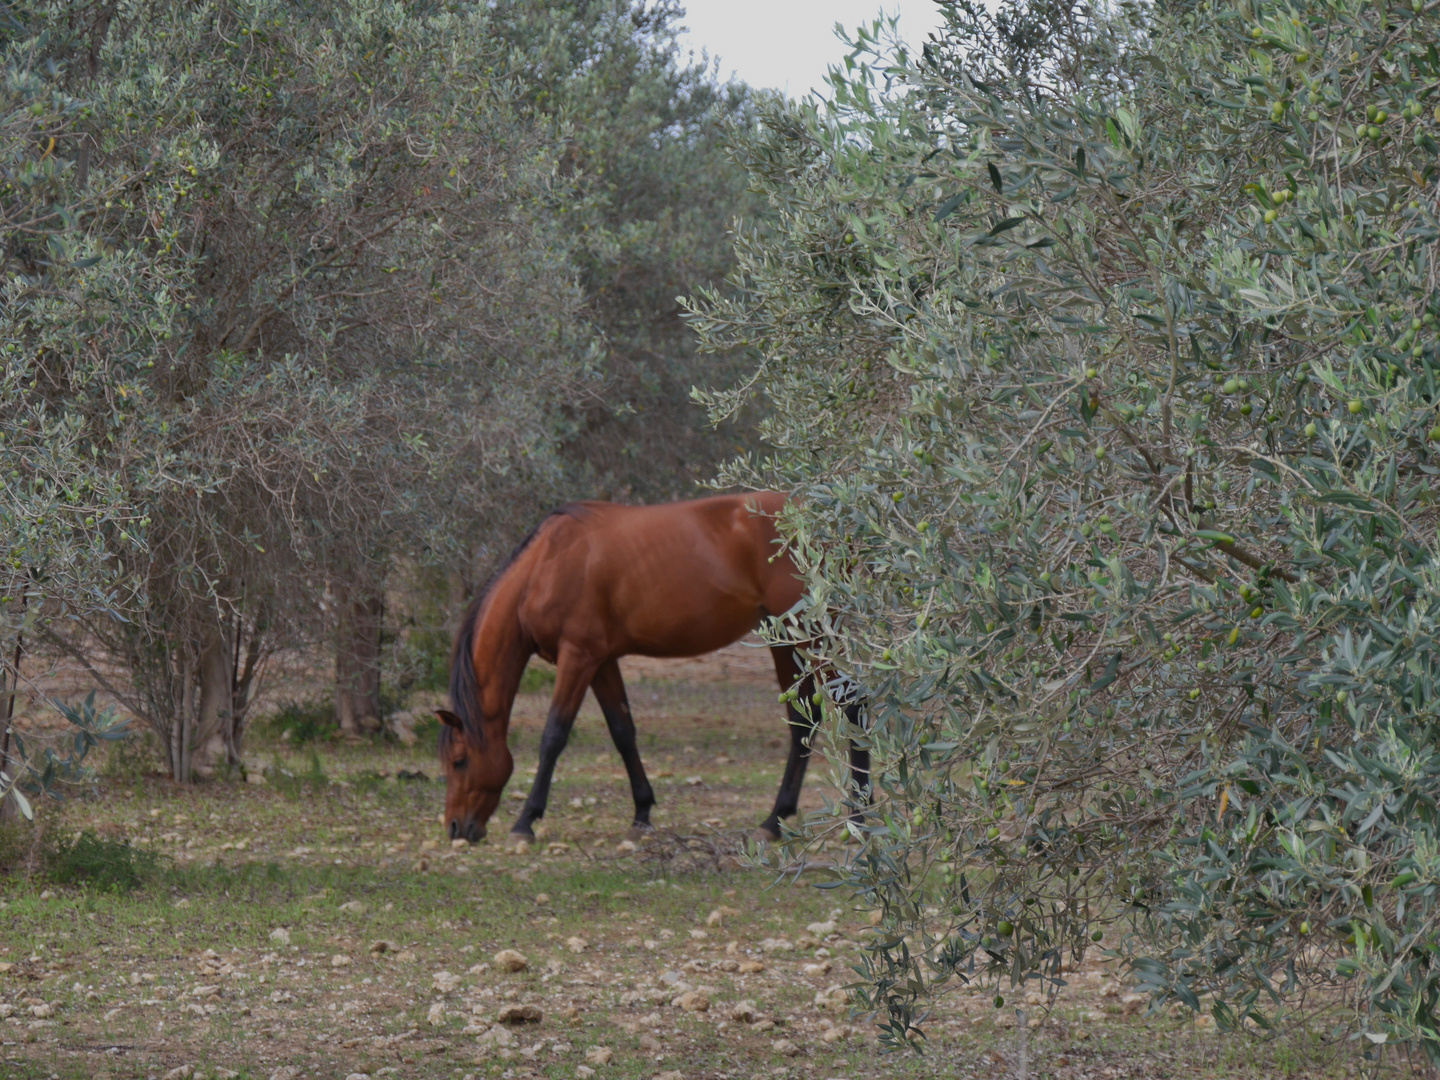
{"points": [[675, 579]]}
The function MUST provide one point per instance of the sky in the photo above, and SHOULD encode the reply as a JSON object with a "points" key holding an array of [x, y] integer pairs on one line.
{"points": [[787, 44]]}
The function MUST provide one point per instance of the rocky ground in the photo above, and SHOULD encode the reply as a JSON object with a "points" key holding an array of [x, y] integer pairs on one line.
{"points": [[317, 925]]}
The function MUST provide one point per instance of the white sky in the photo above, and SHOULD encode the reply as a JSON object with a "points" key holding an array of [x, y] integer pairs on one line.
{"points": [[787, 44]]}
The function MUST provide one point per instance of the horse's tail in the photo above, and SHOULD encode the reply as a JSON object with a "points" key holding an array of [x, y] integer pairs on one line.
{"points": [[464, 686]]}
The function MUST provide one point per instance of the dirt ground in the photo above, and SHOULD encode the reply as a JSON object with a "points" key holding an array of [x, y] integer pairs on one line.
{"points": [[318, 924]]}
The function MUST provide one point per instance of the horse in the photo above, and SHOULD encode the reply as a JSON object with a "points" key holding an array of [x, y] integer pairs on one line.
{"points": [[595, 581]]}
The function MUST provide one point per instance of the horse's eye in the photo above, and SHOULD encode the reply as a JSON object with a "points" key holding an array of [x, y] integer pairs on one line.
{"points": [[461, 763]]}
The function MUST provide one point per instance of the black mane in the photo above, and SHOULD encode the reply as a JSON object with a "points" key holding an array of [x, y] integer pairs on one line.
{"points": [[464, 684]]}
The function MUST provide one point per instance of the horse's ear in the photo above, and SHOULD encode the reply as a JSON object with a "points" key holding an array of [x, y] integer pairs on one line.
{"points": [[449, 718]]}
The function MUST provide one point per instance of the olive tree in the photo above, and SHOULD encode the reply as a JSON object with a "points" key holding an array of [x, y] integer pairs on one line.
{"points": [[313, 260], [1100, 346]]}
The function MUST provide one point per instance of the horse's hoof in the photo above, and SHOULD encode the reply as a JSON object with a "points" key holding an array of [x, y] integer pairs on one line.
{"points": [[518, 837], [765, 835], [639, 830]]}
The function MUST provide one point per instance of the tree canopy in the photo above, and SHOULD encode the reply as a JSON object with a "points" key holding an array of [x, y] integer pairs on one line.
{"points": [[1100, 345]]}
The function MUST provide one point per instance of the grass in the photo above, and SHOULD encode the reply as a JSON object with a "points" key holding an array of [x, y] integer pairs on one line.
{"points": [[301, 923]]}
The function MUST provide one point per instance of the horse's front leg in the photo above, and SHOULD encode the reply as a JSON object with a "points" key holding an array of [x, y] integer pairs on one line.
{"points": [[609, 690], [573, 673]]}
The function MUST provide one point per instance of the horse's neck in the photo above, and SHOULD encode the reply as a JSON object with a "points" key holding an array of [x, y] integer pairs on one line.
{"points": [[502, 651]]}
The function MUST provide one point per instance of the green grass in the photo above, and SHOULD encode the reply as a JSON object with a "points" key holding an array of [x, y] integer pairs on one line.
{"points": [[253, 889]]}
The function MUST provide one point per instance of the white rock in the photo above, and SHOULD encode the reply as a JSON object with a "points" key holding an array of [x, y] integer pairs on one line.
{"points": [[280, 936], [771, 944], [584, 1072], [355, 907], [445, 982], [510, 960], [182, 1072], [785, 1048], [339, 960], [599, 1055], [285, 1072], [576, 944], [822, 929], [436, 1016]]}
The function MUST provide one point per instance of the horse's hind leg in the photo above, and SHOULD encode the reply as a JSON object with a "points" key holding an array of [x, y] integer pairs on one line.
{"points": [[803, 721], [572, 678], [859, 768], [609, 690]]}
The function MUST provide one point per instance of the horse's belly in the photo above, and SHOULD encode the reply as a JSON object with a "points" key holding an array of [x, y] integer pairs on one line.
{"points": [[692, 634]]}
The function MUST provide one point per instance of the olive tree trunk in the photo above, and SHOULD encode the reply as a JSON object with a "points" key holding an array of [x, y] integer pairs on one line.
{"points": [[357, 663]]}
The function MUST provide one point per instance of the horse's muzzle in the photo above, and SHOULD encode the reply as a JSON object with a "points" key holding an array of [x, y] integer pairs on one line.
{"points": [[469, 829]]}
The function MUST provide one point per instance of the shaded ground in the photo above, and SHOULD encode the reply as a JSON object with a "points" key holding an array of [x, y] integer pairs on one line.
{"points": [[318, 925]]}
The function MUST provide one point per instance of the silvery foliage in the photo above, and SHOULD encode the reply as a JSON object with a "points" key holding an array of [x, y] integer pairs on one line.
{"points": [[1101, 347]]}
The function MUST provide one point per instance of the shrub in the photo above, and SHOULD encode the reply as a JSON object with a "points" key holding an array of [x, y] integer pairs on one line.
{"points": [[97, 862], [1102, 346]]}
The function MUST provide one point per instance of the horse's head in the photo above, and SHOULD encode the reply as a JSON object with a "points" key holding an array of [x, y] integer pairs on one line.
{"points": [[476, 771]]}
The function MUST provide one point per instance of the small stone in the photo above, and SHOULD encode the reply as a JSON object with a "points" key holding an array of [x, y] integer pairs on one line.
{"points": [[822, 968], [182, 903], [698, 935], [673, 1074], [626, 845], [280, 936], [478, 969], [785, 1048], [498, 1036], [832, 999], [285, 1072], [584, 1072], [182, 1072], [599, 1055], [876, 917], [576, 944], [357, 1076], [339, 960], [406, 956], [510, 960], [42, 1011], [379, 948], [744, 1012], [692, 1001], [834, 1034], [445, 982], [821, 929], [519, 1014], [771, 944], [751, 967], [1134, 1003], [541, 899], [354, 907], [47, 895], [226, 1074], [649, 1044], [436, 1016]]}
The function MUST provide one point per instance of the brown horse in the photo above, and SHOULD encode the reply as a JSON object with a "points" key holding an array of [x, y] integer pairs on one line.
{"points": [[594, 582]]}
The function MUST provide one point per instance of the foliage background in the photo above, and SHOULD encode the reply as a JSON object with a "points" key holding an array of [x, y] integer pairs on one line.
{"points": [[1100, 344]]}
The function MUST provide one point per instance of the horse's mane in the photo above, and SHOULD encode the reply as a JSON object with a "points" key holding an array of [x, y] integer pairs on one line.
{"points": [[464, 683]]}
